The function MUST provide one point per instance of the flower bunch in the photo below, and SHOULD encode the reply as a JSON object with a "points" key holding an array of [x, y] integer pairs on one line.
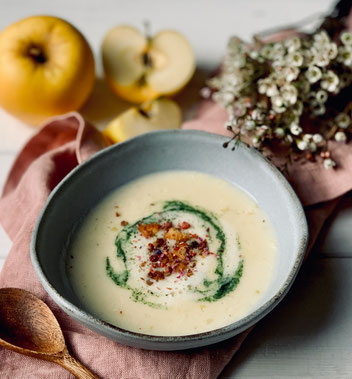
{"points": [[289, 93]]}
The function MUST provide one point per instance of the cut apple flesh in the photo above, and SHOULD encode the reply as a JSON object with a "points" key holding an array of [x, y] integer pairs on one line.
{"points": [[139, 68], [154, 115], [178, 64], [122, 51]]}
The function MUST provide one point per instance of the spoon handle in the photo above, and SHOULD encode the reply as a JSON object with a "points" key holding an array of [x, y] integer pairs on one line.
{"points": [[76, 368]]}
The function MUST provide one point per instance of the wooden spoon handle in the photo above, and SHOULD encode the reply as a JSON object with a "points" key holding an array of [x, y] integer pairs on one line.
{"points": [[76, 368]]}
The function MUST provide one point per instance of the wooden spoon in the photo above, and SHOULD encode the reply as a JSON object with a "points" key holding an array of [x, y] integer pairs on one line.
{"points": [[27, 326]]}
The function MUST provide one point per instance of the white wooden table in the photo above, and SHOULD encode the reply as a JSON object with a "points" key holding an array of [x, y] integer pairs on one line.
{"points": [[309, 334]]}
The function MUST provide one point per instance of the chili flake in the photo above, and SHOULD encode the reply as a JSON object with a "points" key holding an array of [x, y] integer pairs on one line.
{"points": [[172, 251]]}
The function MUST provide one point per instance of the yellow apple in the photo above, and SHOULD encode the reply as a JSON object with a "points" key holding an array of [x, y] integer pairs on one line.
{"points": [[46, 68], [150, 116], [140, 69]]}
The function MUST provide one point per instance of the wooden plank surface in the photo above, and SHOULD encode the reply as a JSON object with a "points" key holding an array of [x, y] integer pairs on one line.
{"points": [[309, 334]]}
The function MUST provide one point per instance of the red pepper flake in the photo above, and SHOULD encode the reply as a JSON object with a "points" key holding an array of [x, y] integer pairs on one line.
{"points": [[124, 223], [120, 312], [166, 225], [117, 214], [149, 282], [185, 225]]}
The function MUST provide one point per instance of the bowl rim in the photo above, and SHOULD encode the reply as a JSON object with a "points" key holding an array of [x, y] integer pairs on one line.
{"points": [[219, 333]]}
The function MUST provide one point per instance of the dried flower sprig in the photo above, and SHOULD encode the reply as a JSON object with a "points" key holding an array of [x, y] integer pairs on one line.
{"points": [[288, 93]]}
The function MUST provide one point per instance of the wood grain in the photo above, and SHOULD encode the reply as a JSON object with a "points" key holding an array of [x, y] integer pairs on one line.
{"points": [[27, 326]]}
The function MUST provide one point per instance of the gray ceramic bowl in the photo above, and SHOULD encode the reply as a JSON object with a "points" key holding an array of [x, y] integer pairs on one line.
{"points": [[86, 185]]}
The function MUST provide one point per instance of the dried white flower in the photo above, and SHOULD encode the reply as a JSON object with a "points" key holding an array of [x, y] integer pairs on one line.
{"points": [[312, 147], [267, 51], [317, 108], [278, 104], [253, 54], [205, 92], [302, 145], [256, 142], [340, 137], [297, 108], [343, 120], [293, 44], [295, 59], [295, 129], [290, 73], [330, 82], [313, 74], [289, 94], [307, 137], [321, 38], [249, 124], [321, 59], [317, 138], [333, 51], [279, 132], [288, 139], [321, 96], [345, 55], [271, 90], [257, 115], [227, 97], [329, 163], [262, 86], [346, 38], [278, 50], [262, 130]]}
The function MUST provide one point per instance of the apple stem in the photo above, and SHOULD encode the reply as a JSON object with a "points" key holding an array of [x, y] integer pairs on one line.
{"points": [[147, 33]]}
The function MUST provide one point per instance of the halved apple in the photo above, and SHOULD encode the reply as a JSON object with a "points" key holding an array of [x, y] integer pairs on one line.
{"points": [[139, 68], [152, 115]]}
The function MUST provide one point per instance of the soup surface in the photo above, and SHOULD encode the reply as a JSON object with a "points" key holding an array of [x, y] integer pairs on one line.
{"points": [[173, 253]]}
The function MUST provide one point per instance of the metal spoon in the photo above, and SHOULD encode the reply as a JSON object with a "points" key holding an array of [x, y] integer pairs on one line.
{"points": [[27, 326]]}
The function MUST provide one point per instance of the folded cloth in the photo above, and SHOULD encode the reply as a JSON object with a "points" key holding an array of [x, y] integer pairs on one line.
{"points": [[57, 148]]}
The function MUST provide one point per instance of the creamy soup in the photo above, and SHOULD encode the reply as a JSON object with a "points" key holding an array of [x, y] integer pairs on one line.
{"points": [[173, 253]]}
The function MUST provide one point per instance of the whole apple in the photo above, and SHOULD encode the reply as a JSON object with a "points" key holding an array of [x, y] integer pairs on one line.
{"points": [[46, 68]]}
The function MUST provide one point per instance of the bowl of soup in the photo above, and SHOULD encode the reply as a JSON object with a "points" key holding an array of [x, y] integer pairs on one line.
{"points": [[169, 241]]}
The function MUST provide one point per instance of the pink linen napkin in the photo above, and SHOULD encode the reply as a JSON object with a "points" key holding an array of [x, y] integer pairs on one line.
{"points": [[57, 148]]}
